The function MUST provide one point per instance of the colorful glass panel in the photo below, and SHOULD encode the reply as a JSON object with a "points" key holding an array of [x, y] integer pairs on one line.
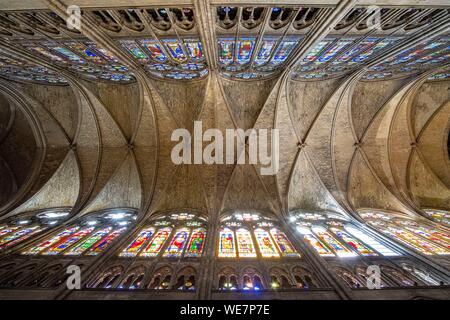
{"points": [[362, 46], [134, 247], [195, 49], [414, 241], [226, 51], [312, 55], [7, 230], [196, 243], [179, 240], [18, 236], [265, 244], [60, 237], [135, 51], [57, 249], [155, 245], [429, 57], [335, 245], [283, 51], [353, 242], [245, 245], [104, 243], [244, 50], [318, 246], [330, 53], [175, 50], [430, 235], [283, 244], [227, 246], [155, 50], [265, 51], [380, 45], [108, 55], [87, 53], [89, 242], [66, 53], [46, 53]]}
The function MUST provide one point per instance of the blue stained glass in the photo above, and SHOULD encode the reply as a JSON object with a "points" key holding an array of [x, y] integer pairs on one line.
{"points": [[433, 45], [430, 56], [380, 45], [66, 53], [159, 67], [155, 50], [439, 76], [330, 53], [135, 51], [312, 55], [226, 51], [244, 50], [90, 53], [265, 51], [250, 75], [195, 49], [283, 51], [175, 50], [440, 59], [364, 45], [192, 66]]}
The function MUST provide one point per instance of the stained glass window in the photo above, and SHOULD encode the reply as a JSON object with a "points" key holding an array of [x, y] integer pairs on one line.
{"points": [[89, 242], [315, 243], [196, 243], [227, 246], [63, 245], [245, 245], [265, 51], [431, 235], [353, 242], [244, 50], [155, 50], [414, 241], [283, 244], [335, 245], [429, 57], [136, 246], [374, 49], [65, 52], [18, 236], [330, 53], [247, 216], [156, 243], [60, 237], [84, 51], [283, 51], [371, 241], [178, 243], [226, 51], [6, 230], [102, 245], [265, 243], [439, 215], [45, 53], [108, 55], [312, 55], [135, 51], [360, 47], [175, 50], [195, 49]]}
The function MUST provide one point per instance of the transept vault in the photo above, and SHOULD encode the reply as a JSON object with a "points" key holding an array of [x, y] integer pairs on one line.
{"points": [[358, 92]]}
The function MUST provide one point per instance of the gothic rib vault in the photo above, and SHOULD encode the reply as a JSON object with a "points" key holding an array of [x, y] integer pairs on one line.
{"points": [[93, 137]]}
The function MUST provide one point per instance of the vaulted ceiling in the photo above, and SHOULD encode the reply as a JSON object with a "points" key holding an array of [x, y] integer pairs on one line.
{"points": [[351, 138]]}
